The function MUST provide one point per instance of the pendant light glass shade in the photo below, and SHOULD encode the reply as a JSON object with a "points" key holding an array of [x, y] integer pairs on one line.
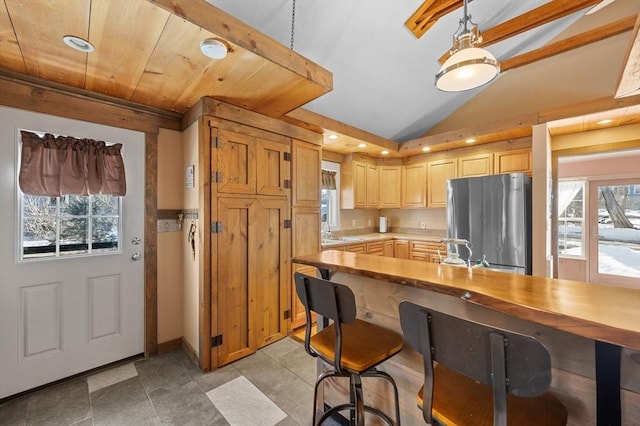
{"points": [[468, 66], [467, 69]]}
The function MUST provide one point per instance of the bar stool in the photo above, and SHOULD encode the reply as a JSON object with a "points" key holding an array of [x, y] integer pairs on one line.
{"points": [[352, 347], [480, 367]]}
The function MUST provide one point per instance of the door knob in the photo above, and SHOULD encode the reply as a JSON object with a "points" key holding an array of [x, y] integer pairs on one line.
{"points": [[136, 256]]}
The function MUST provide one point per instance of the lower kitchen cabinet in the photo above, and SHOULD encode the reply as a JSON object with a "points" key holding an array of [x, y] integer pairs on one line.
{"points": [[250, 263], [306, 240], [375, 248], [426, 251], [401, 249], [388, 248]]}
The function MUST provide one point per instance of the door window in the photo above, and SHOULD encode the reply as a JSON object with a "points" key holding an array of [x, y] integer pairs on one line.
{"points": [[71, 225], [571, 218]]}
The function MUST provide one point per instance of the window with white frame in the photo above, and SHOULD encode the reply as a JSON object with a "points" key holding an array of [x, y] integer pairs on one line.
{"points": [[70, 225], [571, 215], [330, 199]]}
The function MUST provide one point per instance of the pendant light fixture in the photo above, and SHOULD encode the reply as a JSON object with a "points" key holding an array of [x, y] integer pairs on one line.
{"points": [[468, 66]]}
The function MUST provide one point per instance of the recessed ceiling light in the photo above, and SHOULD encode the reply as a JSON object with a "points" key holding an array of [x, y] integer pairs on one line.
{"points": [[362, 145], [333, 136], [78, 43], [426, 149], [605, 121], [213, 48], [385, 152], [470, 140]]}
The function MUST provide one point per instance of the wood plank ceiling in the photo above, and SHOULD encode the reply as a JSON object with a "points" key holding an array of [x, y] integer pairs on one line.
{"points": [[150, 55]]}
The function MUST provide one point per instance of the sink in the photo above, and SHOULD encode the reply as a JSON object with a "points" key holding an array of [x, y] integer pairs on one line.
{"points": [[351, 239], [331, 241]]}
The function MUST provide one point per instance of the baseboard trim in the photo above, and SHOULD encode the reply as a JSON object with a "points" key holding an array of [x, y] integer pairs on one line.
{"points": [[191, 353], [169, 345]]}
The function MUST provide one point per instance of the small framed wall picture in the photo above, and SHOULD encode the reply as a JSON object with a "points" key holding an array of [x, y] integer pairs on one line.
{"points": [[189, 176]]}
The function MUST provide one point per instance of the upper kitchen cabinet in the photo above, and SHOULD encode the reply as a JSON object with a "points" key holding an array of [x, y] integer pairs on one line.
{"points": [[237, 158], [475, 165], [373, 187], [359, 185], [414, 186], [306, 172], [513, 161], [437, 174], [390, 186]]}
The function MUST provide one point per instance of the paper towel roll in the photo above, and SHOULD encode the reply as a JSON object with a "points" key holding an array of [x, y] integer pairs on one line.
{"points": [[383, 224]]}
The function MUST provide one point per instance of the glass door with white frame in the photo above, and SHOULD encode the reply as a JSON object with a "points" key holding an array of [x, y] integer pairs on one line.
{"points": [[614, 217]]}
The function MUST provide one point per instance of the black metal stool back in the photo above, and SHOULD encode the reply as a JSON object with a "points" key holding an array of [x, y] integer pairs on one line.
{"points": [[509, 362]]}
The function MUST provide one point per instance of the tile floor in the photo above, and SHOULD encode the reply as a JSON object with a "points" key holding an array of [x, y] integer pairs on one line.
{"points": [[271, 387]]}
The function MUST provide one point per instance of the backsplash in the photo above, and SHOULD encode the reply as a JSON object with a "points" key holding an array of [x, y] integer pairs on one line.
{"points": [[364, 221]]}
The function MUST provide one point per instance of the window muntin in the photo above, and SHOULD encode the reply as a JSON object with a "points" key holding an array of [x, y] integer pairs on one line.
{"points": [[571, 211], [71, 225]]}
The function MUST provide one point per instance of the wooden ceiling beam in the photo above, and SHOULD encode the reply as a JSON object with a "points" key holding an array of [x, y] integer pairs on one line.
{"points": [[583, 39], [629, 80], [429, 13], [212, 19], [542, 15]]}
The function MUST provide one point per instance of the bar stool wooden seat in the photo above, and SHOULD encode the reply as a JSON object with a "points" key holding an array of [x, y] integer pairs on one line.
{"points": [[352, 347], [483, 375]]}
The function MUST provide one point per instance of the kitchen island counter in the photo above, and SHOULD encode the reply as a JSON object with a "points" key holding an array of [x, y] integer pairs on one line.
{"points": [[580, 323]]}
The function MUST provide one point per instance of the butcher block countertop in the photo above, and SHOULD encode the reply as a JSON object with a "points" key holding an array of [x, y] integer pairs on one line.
{"points": [[604, 313]]}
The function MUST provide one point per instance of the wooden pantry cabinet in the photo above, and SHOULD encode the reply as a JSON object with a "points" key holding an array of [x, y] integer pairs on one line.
{"points": [[238, 289]]}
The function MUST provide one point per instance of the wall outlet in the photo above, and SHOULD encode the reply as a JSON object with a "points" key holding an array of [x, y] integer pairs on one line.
{"points": [[369, 222], [423, 225], [353, 223]]}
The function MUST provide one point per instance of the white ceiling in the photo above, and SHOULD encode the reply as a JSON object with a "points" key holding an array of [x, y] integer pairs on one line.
{"points": [[383, 75]]}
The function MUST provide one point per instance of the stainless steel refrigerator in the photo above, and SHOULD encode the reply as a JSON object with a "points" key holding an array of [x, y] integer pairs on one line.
{"points": [[494, 214]]}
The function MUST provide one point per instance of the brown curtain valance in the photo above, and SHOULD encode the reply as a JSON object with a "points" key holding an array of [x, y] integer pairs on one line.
{"points": [[328, 179], [54, 166]]}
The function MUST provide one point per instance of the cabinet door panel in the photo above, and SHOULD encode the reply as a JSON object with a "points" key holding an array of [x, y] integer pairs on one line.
{"points": [[438, 173], [359, 185], [373, 187], [234, 281], [390, 187], [414, 185], [235, 158], [475, 165], [306, 166], [272, 170], [401, 249], [268, 262], [306, 240], [517, 160]]}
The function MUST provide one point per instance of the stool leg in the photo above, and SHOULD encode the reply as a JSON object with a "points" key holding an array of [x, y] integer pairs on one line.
{"points": [[357, 415]]}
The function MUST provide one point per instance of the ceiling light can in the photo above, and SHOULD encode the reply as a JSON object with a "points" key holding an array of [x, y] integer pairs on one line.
{"points": [[78, 43]]}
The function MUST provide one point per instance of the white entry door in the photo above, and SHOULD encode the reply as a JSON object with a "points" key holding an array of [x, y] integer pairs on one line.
{"points": [[65, 314]]}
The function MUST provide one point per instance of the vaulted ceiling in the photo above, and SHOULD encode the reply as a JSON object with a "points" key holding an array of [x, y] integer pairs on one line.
{"points": [[355, 69]]}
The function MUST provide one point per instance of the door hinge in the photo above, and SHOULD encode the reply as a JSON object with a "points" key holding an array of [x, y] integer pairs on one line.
{"points": [[287, 156], [215, 142], [216, 227], [287, 314], [216, 340], [216, 177], [287, 224], [287, 183]]}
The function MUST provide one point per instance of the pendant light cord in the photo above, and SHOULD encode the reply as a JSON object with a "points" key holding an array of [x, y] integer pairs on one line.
{"points": [[293, 21]]}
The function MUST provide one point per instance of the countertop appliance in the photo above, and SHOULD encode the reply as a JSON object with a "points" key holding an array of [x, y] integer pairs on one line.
{"points": [[494, 214]]}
